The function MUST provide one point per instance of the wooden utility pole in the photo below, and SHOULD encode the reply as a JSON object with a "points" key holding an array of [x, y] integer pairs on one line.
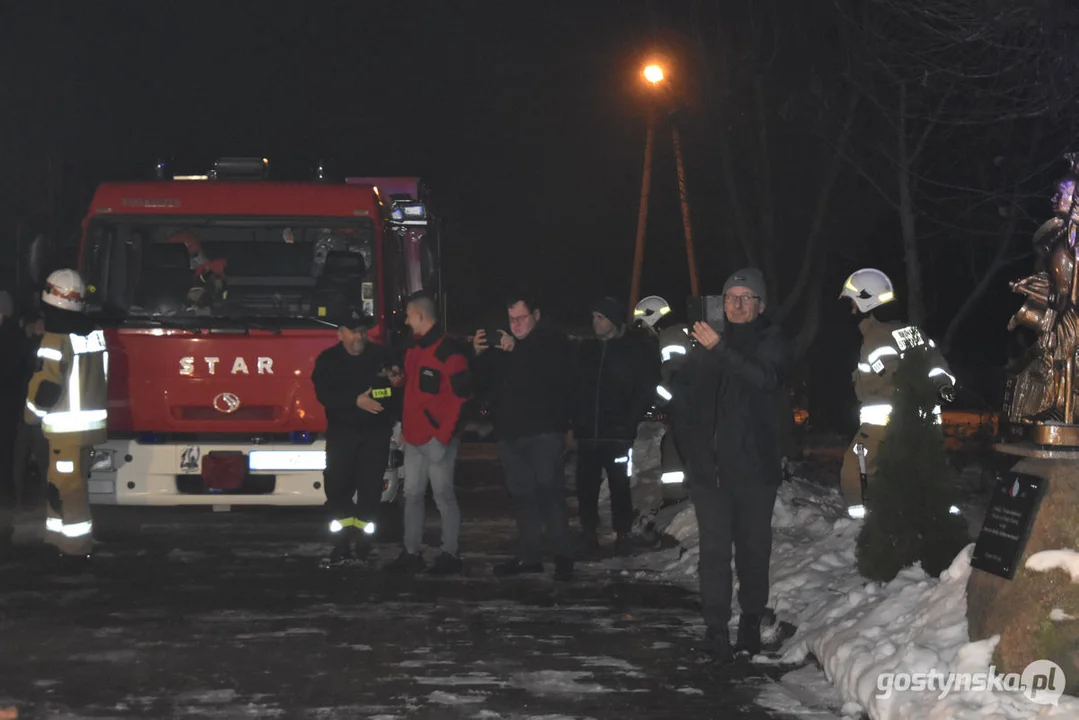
{"points": [[642, 216]]}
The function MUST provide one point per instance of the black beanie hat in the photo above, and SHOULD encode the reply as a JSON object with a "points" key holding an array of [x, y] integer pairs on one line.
{"points": [[611, 309]]}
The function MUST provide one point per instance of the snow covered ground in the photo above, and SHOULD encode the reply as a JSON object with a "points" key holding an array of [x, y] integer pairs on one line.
{"points": [[871, 640]]}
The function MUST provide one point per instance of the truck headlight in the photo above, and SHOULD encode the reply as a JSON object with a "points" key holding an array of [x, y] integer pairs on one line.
{"points": [[102, 461]]}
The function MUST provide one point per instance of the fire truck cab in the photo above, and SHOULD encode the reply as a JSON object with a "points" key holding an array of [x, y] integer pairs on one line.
{"points": [[217, 292]]}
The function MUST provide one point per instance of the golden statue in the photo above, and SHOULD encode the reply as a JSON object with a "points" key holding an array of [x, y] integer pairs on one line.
{"points": [[1039, 400]]}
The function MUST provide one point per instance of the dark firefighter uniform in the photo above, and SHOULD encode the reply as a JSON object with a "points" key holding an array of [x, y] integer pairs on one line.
{"points": [[357, 441], [68, 396]]}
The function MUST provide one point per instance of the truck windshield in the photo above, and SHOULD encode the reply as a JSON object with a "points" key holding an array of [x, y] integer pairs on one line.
{"points": [[234, 269]]}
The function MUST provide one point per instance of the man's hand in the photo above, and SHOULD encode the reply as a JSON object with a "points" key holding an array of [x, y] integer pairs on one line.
{"points": [[508, 342], [396, 377], [705, 335], [479, 341], [368, 404]]}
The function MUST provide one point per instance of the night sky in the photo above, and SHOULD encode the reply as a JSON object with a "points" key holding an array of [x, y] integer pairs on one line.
{"points": [[527, 118]]}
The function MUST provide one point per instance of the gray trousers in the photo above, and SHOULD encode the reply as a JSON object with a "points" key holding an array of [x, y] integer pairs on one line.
{"points": [[536, 480], [432, 462]]}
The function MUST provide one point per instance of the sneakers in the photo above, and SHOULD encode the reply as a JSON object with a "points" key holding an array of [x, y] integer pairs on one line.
{"points": [[563, 568], [407, 564], [446, 564], [718, 645], [749, 634], [623, 545], [516, 567]]}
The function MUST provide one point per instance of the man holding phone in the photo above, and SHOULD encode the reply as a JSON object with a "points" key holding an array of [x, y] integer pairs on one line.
{"points": [[731, 386], [527, 376]]}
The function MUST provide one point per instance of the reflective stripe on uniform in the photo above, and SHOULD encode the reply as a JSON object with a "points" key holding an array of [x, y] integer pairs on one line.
{"points": [[663, 392], [337, 526], [71, 530], [882, 352], [47, 353], [34, 409], [938, 371], [670, 350], [74, 421], [875, 414]]}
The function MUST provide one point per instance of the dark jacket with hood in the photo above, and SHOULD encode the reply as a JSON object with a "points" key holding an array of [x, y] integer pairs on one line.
{"points": [[728, 406], [615, 385]]}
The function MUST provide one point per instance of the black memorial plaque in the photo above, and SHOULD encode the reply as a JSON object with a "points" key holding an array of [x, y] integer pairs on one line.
{"points": [[1007, 523]]}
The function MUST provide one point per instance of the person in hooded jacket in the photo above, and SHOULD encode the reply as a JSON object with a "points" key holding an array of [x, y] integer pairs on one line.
{"points": [[728, 435], [616, 376]]}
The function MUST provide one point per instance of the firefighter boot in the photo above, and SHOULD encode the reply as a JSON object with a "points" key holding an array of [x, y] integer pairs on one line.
{"points": [[342, 552]]}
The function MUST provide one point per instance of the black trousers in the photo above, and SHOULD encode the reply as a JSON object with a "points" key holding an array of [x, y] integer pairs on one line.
{"points": [[592, 458], [536, 480], [355, 466], [740, 513]]}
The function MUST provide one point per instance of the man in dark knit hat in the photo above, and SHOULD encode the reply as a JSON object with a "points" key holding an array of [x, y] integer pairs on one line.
{"points": [[728, 395], [617, 373]]}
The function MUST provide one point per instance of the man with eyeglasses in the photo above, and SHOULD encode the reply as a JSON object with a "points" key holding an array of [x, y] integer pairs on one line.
{"points": [[526, 373], [728, 394]]}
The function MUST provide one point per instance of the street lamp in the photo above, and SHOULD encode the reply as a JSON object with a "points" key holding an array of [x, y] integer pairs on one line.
{"points": [[655, 76]]}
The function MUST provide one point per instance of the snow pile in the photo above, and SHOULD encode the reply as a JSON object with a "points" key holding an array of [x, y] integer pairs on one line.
{"points": [[874, 641], [1066, 560]]}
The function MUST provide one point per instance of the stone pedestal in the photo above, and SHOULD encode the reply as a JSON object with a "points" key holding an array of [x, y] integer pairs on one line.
{"points": [[1019, 610]]}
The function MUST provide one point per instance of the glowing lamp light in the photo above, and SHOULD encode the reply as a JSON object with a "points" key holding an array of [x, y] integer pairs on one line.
{"points": [[653, 74]]}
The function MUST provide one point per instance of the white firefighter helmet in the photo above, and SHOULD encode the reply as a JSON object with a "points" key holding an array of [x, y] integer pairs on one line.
{"points": [[869, 288], [650, 310], [64, 289]]}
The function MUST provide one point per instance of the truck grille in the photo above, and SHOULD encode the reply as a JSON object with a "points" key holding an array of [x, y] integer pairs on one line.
{"points": [[247, 412]]}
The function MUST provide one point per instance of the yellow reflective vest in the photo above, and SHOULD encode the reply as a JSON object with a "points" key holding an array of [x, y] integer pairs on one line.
{"points": [[68, 394]]}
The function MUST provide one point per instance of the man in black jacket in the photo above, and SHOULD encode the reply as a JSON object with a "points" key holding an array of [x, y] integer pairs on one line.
{"points": [[728, 435], [527, 378], [355, 381], [617, 373]]}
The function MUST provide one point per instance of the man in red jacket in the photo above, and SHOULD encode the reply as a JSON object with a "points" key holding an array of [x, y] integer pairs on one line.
{"points": [[437, 384]]}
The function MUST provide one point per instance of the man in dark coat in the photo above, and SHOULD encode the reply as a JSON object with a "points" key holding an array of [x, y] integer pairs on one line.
{"points": [[728, 435], [526, 374], [616, 377]]}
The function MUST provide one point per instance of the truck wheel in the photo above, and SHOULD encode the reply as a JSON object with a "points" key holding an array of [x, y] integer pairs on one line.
{"points": [[391, 521], [113, 523]]}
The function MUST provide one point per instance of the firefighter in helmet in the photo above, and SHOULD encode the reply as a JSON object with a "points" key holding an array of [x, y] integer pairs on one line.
{"points": [[67, 396], [885, 339], [648, 313], [674, 344]]}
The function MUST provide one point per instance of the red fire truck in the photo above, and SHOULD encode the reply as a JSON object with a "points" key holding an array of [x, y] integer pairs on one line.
{"points": [[217, 292]]}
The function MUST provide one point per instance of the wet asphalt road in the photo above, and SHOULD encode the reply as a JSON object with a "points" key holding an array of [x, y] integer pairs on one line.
{"points": [[229, 616]]}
